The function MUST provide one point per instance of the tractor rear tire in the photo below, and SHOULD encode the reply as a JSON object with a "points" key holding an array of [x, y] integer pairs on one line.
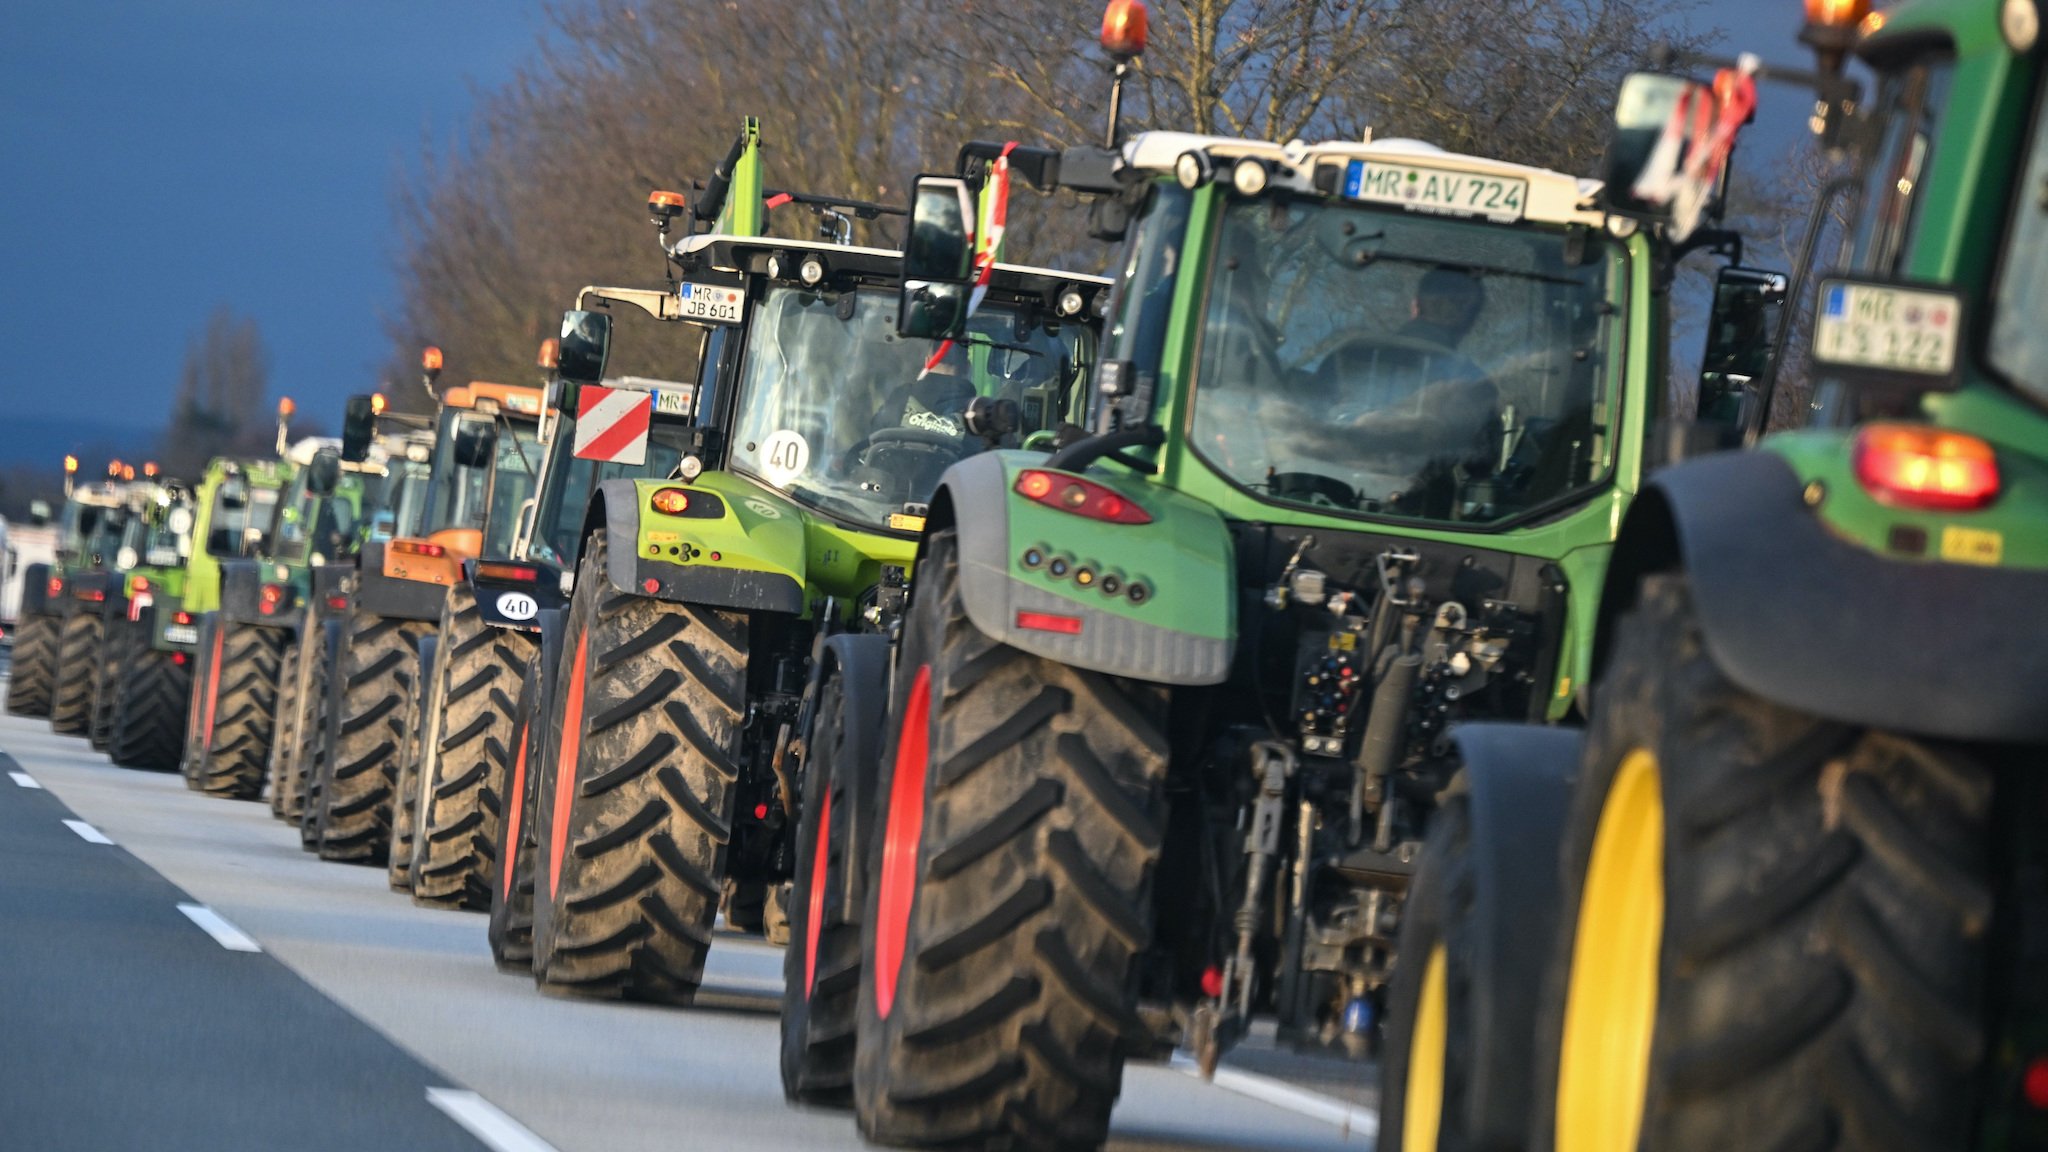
{"points": [[237, 753], [118, 635], [634, 824], [1789, 917], [378, 669], [466, 773], [34, 665], [150, 707], [1025, 807], [422, 728], [511, 926], [291, 705], [78, 654], [821, 968], [316, 742]]}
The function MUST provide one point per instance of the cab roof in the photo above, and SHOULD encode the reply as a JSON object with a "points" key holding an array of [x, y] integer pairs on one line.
{"points": [[512, 399], [726, 253]]}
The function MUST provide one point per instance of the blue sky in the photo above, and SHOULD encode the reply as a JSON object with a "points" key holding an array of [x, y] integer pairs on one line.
{"points": [[160, 157]]}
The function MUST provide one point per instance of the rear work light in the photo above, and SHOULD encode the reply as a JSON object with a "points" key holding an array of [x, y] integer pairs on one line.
{"points": [[418, 548], [1916, 466], [516, 573], [1081, 497]]}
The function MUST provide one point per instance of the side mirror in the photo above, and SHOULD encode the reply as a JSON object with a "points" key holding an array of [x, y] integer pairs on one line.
{"points": [[586, 344], [358, 428], [941, 233], [476, 443], [323, 475], [1642, 112], [1742, 329], [932, 310]]}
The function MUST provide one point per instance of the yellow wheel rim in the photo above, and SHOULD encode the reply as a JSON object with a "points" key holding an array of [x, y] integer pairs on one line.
{"points": [[1611, 1003], [1424, 1102]]}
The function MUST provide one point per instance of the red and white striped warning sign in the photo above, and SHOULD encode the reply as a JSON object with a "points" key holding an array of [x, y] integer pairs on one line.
{"points": [[611, 424]]}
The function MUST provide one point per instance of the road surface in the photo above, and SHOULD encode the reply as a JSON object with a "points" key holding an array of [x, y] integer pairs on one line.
{"points": [[182, 975]]}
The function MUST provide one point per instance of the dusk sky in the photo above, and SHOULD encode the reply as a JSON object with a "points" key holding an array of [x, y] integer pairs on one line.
{"points": [[160, 158]]}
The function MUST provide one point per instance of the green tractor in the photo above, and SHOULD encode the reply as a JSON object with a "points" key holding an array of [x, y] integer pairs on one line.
{"points": [[1173, 705], [243, 640], [65, 607], [778, 510], [144, 674], [1804, 884]]}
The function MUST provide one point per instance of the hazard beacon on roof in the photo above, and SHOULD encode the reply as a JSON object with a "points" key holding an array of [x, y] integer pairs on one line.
{"points": [[611, 425]]}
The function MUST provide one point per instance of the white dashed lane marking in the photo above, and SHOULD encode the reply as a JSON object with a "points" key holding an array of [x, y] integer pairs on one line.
{"points": [[25, 780], [225, 934], [87, 832], [482, 1119]]}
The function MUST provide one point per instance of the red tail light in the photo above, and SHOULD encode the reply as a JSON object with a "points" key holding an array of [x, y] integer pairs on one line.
{"points": [[338, 603], [2034, 1083], [418, 548], [182, 618], [1916, 466], [1050, 622], [271, 596], [177, 657], [56, 586], [95, 595], [515, 573], [1081, 497]]}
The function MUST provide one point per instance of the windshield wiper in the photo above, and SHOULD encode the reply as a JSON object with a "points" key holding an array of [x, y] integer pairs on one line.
{"points": [[1484, 269]]}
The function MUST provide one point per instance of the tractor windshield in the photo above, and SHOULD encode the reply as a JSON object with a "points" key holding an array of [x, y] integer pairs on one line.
{"points": [[239, 516], [2018, 347], [1387, 363], [832, 409], [92, 532], [312, 528], [486, 497]]}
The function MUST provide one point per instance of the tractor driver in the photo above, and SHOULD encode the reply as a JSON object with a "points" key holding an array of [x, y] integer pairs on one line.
{"points": [[934, 401]]}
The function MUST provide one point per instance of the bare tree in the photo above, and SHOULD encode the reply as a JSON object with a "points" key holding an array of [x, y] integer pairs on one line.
{"points": [[222, 394]]}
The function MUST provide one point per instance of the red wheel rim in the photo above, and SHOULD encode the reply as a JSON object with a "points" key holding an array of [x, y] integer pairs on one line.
{"points": [[213, 687], [565, 763], [515, 803], [815, 917], [899, 843]]}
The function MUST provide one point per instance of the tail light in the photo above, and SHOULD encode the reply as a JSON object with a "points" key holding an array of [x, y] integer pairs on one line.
{"points": [[2034, 1083], [182, 618], [268, 599], [419, 548], [337, 603], [56, 586], [512, 573], [1081, 497], [1917, 466], [139, 584], [1050, 622], [95, 595]]}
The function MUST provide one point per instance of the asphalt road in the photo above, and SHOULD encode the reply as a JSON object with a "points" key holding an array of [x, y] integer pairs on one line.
{"points": [[364, 1022]]}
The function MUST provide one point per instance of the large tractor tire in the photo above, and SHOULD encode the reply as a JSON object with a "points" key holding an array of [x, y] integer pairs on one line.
{"points": [[244, 711], [1025, 808], [34, 666], [1774, 931], [1419, 1086], [378, 669], [150, 708], [291, 705], [422, 728], [511, 926], [316, 739], [634, 822], [821, 967], [466, 771], [78, 661], [118, 636]]}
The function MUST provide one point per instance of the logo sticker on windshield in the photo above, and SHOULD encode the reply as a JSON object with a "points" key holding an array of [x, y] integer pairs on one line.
{"points": [[784, 456]]}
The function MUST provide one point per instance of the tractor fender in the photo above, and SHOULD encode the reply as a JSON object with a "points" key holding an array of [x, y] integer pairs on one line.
{"points": [[1796, 615], [746, 553], [862, 662], [1185, 556], [1518, 780], [35, 591]]}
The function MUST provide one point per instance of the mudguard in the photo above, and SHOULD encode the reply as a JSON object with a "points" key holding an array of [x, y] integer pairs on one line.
{"points": [[1184, 630], [381, 592], [516, 604], [241, 596], [35, 591], [1798, 616], [1518, 778], [862, 659], [725, 552]]}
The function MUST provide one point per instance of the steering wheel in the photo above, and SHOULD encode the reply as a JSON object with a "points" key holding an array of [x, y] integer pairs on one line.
{"points": [[905, 438]]}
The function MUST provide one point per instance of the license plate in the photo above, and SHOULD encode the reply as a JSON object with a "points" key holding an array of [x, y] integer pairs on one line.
{"points": [[181, 634], [711, 302], [672, 401], [1437, 190], [1886, 329]]}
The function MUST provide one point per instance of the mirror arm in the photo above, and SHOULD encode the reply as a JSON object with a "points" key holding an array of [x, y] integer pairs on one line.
{"points": [[656, 302], [1802, 271]]}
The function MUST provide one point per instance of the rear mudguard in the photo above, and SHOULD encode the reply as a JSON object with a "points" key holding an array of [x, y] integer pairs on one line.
{"points": [[726, 551], [1797, 615], [516, 604], [241, 595], [862, 662], [1519, 779], [35, 591], [385, 586], [1180, 629]]}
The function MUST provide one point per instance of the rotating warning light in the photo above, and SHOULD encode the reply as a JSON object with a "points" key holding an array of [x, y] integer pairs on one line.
{"points": [[1123, 29], [70, 465], [1836, 13], [430, 360], [550, 352], [664, 206], [285, 408], [113, 469], [149, 468], [1915, 466], [377, 403]]}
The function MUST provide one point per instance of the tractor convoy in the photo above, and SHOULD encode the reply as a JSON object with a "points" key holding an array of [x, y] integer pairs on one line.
{"points": [[1333, 616]]}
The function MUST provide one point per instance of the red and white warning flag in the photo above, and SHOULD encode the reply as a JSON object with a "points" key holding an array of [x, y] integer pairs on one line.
{"points": [[612, 423], [1684, 168], [988, 244]]}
